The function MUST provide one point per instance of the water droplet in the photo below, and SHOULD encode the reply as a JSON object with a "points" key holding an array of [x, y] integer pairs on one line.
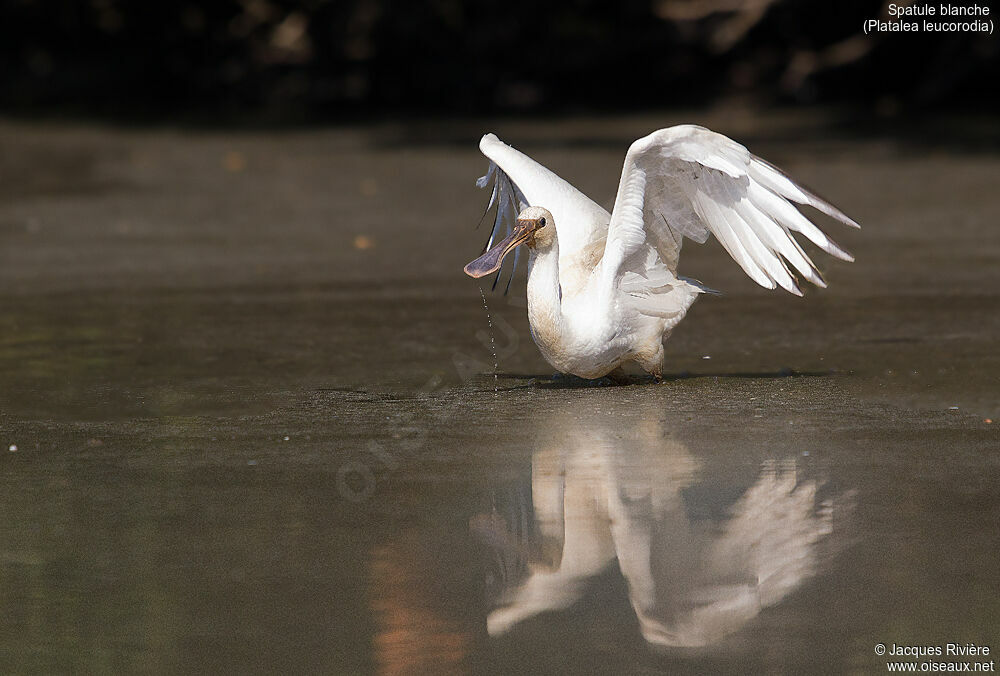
{"points": [[493, 346], [12, 448]]}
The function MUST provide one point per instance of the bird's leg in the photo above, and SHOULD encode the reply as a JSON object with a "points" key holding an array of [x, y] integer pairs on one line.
{"points": [[652, 362], [618, 376]]}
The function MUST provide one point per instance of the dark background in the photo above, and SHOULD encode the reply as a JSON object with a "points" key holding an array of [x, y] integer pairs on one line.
{"points": [[281, 61]]}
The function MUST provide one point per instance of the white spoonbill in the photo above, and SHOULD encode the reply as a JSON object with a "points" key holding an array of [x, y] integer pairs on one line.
{"points": [[603, 288]]}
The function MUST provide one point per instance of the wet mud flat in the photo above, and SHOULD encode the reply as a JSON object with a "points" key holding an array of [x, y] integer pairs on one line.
{"points": [[258, 419]]}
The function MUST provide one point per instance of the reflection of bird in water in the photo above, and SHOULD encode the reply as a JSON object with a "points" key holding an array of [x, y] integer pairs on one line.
{"points": [[603, 289], [605, 491]]}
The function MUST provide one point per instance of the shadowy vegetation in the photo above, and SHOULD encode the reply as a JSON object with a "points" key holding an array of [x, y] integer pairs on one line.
{"points": [[286, 60]]}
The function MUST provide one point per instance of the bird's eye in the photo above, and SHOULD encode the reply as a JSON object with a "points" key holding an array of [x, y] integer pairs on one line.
{"points": [[541, 222]]}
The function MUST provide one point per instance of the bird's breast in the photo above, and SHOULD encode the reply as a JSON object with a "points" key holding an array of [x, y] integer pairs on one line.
{"points": [[546, 331], [574, 341]]}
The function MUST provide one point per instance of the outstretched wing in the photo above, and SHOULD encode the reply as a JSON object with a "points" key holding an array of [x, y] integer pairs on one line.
{"points": [[519, 182], [687, 180]]}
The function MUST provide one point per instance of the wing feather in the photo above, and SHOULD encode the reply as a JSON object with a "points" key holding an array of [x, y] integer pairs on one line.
{"points": [[778, 181], [770, 265], [519, 182], [776, 239], [687, 180], [783, 212], [711, 211]]}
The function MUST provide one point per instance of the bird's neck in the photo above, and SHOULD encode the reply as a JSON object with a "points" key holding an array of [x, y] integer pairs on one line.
{"points": [[544, 296]]}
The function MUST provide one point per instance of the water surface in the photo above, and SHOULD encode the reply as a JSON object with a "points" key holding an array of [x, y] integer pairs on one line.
{"points": [[256, 426]]}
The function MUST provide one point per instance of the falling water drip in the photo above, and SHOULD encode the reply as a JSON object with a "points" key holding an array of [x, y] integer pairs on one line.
{"points": [[493, 346]]}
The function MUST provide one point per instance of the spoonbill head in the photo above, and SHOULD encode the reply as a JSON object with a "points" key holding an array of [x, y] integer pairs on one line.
{"points": [[534, 227]]}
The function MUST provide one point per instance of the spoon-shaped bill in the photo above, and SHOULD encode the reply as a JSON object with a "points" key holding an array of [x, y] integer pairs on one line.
{"points": [[491, 261]]}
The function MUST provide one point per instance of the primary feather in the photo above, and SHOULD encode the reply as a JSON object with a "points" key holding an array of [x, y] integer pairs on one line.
{"points": [[705, 183]]}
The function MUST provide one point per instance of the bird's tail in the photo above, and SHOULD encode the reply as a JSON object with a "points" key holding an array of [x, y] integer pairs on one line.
{"points": [[701, 287]]}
